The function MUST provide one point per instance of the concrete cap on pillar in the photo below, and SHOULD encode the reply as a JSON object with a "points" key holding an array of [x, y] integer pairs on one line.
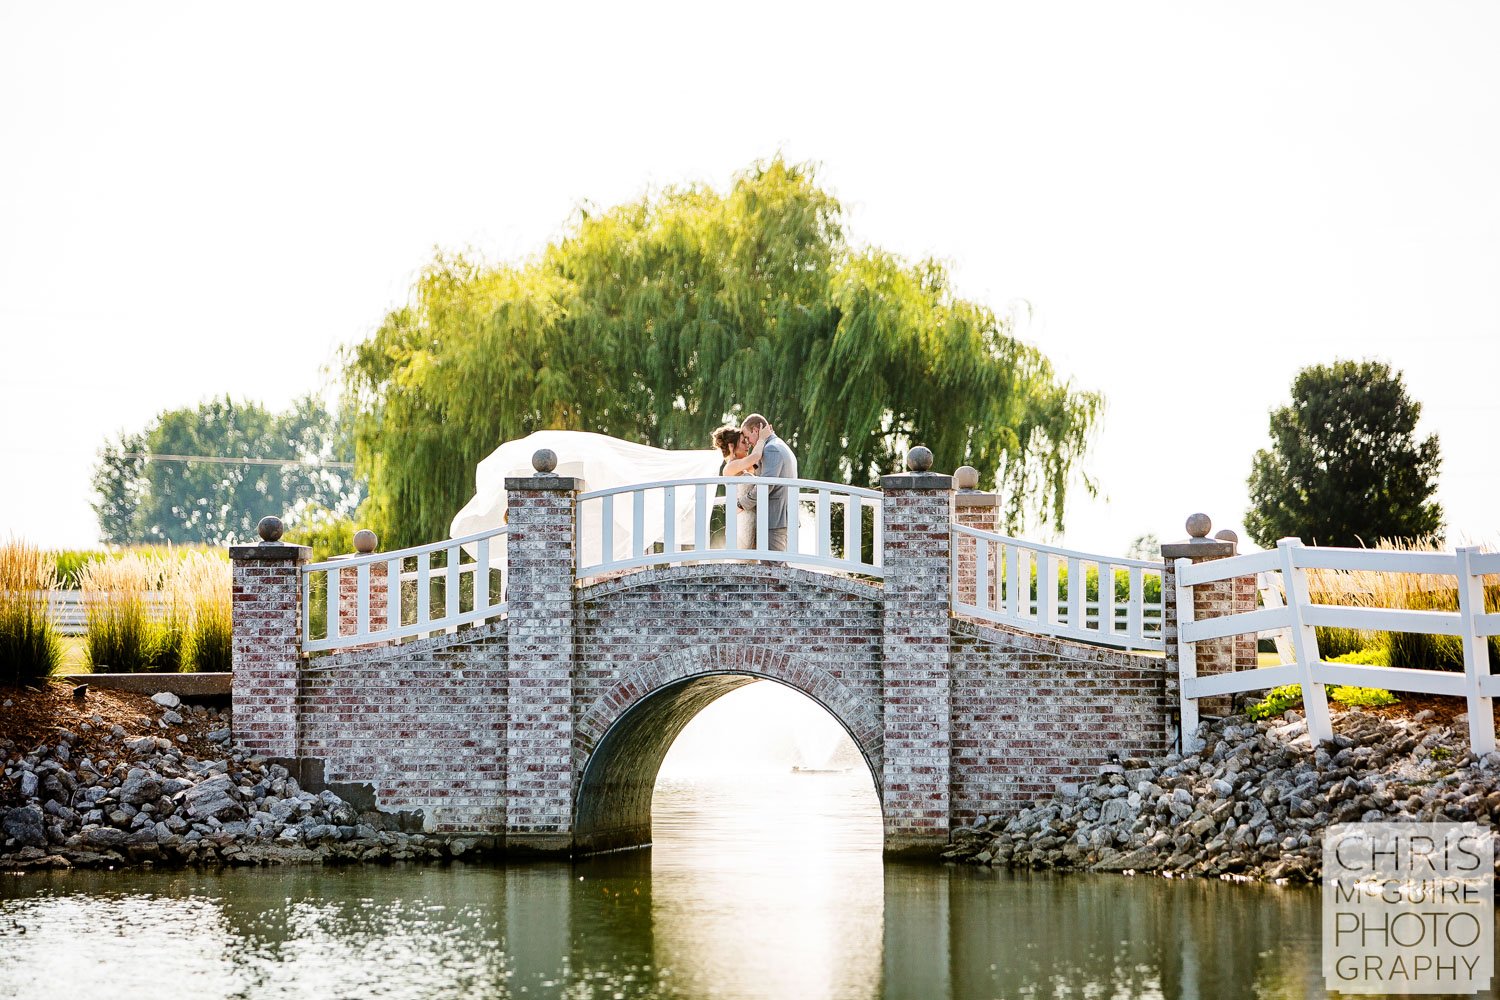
{"points": [[544, 461], [966, 477], [1198, 545], [545, 477], [918, 475], [271, 548], [365, 541]]}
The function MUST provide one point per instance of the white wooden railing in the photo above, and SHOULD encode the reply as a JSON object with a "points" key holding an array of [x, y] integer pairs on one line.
{"points": [[393, 597], [657, 524], [1300, 616], [1004, 589]]}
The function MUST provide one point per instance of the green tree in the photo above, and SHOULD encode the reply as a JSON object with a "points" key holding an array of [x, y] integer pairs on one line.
{"points": [[658, 319], [219, 501], [1345, 466]]}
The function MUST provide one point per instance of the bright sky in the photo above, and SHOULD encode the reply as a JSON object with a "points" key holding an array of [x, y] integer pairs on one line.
{"points": [[1193, 200]]}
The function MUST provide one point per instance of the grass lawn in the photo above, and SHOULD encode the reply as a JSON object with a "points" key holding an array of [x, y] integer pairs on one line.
{"points": [[74, 661]]}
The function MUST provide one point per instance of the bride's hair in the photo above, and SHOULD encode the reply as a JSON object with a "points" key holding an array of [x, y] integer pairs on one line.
{"points": [[725, 438]]}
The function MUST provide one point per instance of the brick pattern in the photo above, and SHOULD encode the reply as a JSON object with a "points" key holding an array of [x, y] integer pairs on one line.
{"points": [[539, 599], [1031, 714], [816, 633], [914, 650], [1214, 656], [981, 518], [266, 611], [423, 723], [349, 599]]}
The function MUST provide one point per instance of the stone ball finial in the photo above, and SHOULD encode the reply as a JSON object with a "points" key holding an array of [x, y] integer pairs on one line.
{"points": [[966, 477], [1198, 525], [270, 528], [1227, 535], [919, 459], [544, 461], [365, 541]]}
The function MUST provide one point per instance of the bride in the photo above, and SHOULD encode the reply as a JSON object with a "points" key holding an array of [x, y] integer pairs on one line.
{"points": [[742, 460]]}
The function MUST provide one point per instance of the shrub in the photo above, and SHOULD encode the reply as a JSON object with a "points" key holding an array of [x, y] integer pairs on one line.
{"points": [[1364, 697], [1375, 656], [1276, 701], [201, 588], [121, 597], [30, 648]]}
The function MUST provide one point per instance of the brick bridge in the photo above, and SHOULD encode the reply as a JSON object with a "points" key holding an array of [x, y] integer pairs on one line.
{"points": [[972, 671]]}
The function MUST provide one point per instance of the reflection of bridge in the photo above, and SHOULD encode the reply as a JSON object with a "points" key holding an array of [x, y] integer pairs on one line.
{"points": [[527, 683]]}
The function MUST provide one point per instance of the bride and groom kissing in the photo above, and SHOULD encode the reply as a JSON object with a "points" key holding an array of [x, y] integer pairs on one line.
{"points": [[753, 449]]}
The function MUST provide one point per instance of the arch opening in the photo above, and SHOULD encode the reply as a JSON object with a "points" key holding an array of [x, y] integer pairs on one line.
{"points": [[615, 793]]}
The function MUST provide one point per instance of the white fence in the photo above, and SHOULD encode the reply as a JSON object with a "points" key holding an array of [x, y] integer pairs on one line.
{"points": [[390, 596], [1043, 588], [1300, 616], [69, 613], [688, 520]]}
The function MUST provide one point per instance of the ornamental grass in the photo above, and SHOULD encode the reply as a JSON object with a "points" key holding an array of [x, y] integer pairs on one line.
{"points": [[30, 648]]}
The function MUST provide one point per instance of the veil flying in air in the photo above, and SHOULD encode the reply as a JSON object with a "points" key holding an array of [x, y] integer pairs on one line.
{"points": [[602, 462]]}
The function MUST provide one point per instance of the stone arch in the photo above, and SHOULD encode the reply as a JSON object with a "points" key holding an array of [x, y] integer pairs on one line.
{"points": [[622, 738]]}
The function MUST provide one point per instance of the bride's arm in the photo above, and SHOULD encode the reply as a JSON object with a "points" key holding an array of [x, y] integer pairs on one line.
{"points": [[740, 466]]}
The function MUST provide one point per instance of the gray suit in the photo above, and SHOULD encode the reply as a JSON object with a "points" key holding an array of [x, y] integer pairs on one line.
{"points": [[777, 461]]}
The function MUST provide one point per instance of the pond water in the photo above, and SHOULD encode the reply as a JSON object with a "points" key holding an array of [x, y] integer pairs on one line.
{"points": [[767, 885]]}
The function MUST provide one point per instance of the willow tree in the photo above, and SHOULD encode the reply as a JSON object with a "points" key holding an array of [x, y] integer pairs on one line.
{"points": [[656, 320]]}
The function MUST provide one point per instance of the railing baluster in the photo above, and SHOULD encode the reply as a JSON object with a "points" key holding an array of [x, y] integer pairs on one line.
{"points": [[482, 573], [1046, 581], [1107, 623], [1015, 582], [334, 584], [669, 520], [607, 532], [424, 591], [452, 584], [307, 606], [877, 557], [981, 573], [762, 516], [362, 600], [825, 528], [638, 525], [851, 528], [393, 595], [1078, 591], [1135, 624], [793, 518], [701, 512], [731, 517]]}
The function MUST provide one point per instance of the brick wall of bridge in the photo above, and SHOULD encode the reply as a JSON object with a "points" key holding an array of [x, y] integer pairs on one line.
{"points": [[1031, 713], [423, 725]]}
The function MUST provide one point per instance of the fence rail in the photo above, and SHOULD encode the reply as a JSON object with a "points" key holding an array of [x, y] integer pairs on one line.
{"points": [[689, 520], [391, 596], [69, 613], [1044, 588], [1298, 616]]}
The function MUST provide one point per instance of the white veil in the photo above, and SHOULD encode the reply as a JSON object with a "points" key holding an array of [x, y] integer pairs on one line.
{"points": [[602, 463]]}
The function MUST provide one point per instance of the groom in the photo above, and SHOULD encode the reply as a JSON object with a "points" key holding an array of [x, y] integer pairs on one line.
{"points": [[777, 462]]}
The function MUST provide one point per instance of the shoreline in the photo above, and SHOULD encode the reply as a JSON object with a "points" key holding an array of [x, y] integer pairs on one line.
{"points": [[1251, 805], [154, 782]]}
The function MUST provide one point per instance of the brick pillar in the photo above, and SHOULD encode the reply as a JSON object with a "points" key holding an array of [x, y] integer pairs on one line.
{"points": [[539, 599], [267, 615], [1226, 597], [365, 543], [918, 514], [974, 508]]}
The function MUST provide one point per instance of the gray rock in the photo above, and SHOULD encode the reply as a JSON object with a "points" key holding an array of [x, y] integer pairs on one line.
{"points": [[140, 788], [104, 837], [166, 699], [26, 824], [213, 799], [171, 718], [29, 785], [141, 745]]}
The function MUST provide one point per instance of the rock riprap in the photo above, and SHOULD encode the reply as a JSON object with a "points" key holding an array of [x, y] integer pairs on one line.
{"points": [[1253, 802], [147, 800]]}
